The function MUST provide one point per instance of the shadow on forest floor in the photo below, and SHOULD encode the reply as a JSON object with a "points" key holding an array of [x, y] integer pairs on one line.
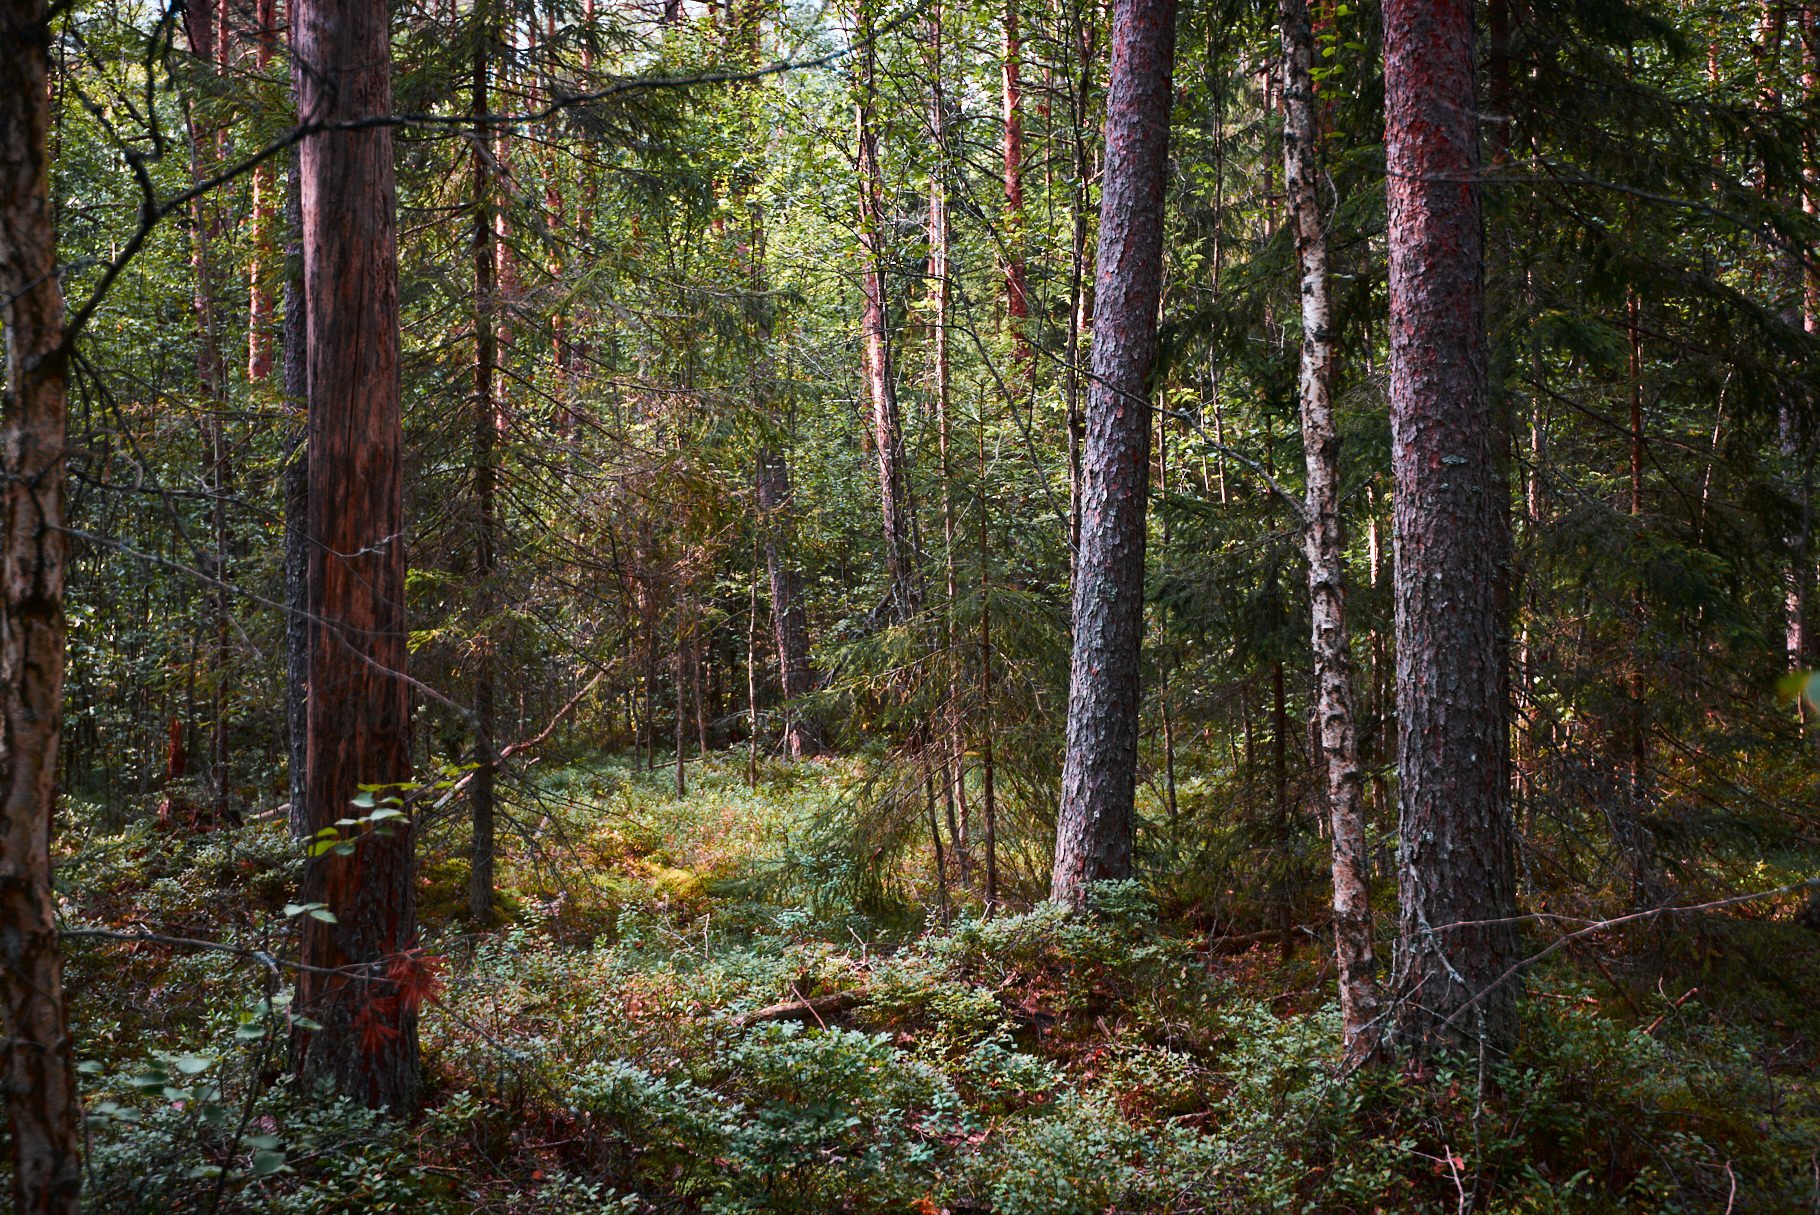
{"points": [[686, 1009]]}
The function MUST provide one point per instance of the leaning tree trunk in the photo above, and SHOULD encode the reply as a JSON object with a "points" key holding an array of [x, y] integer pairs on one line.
{"points": [[43, 1114], [1325, 547], [1093, 829], [355, 982], [1457, 944]]}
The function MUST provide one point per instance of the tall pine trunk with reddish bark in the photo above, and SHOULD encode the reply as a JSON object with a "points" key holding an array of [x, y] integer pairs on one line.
{"points": [[1452, 982], [358, 717], [43, 1115], [1099, 772], [1324, 545], [296, 510]]}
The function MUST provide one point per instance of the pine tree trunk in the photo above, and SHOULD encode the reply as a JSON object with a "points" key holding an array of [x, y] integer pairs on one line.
{"points": [[1454, 860], [1325, 548], [359, 706], [43, 1113], [296, 509], [484, 432], [1093, 829]]}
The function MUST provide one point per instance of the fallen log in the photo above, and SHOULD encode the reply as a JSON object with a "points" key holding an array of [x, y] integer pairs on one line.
{"points": [[812, 1008]]}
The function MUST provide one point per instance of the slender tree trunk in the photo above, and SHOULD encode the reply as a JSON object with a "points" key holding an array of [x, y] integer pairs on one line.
{"points": [[935, 839], [697, 690], [296, 509], [795, 669], [221, 485], [1093, 828], [43, 1113], [484, 431], [1810, 171], [1279, 798], [888, 431], [1452, 981], [988, 767], [359, 705], [1017, 278], [1080, 277], [752, 677], [676, 687], [1790, 280], [206, 28], [1166, 659], [953, 768], [264, 217], [1324, 547], [1637, 725], [941, 296]]}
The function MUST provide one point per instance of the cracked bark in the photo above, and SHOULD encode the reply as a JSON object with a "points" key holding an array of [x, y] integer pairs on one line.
{"points": [[1093, 827], [358, 714], [43, 1112], [1455, 849]]}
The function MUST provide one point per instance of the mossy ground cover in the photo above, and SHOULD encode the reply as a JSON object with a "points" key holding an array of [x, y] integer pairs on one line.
{"points": [[595, 1050]]}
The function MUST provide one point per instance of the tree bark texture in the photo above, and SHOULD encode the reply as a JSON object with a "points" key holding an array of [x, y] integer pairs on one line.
{"points": [[1093, 829], [484, 431], [359, 712], [1324, 545], [1454, 853], [43, 1112], [296, 509], [887, 425]]}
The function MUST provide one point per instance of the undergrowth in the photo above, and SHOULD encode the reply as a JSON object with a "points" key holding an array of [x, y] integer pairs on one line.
{"points": [[599, 1052]]}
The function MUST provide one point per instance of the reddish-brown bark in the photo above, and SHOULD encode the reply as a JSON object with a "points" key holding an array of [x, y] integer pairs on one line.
{"points": [[1093, 828], [1451, 981], [43, 1114], [358, 711], [296, 509]]}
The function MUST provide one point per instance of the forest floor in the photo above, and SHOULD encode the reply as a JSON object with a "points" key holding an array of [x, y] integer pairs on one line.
{"points": [[711, 1004]]}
